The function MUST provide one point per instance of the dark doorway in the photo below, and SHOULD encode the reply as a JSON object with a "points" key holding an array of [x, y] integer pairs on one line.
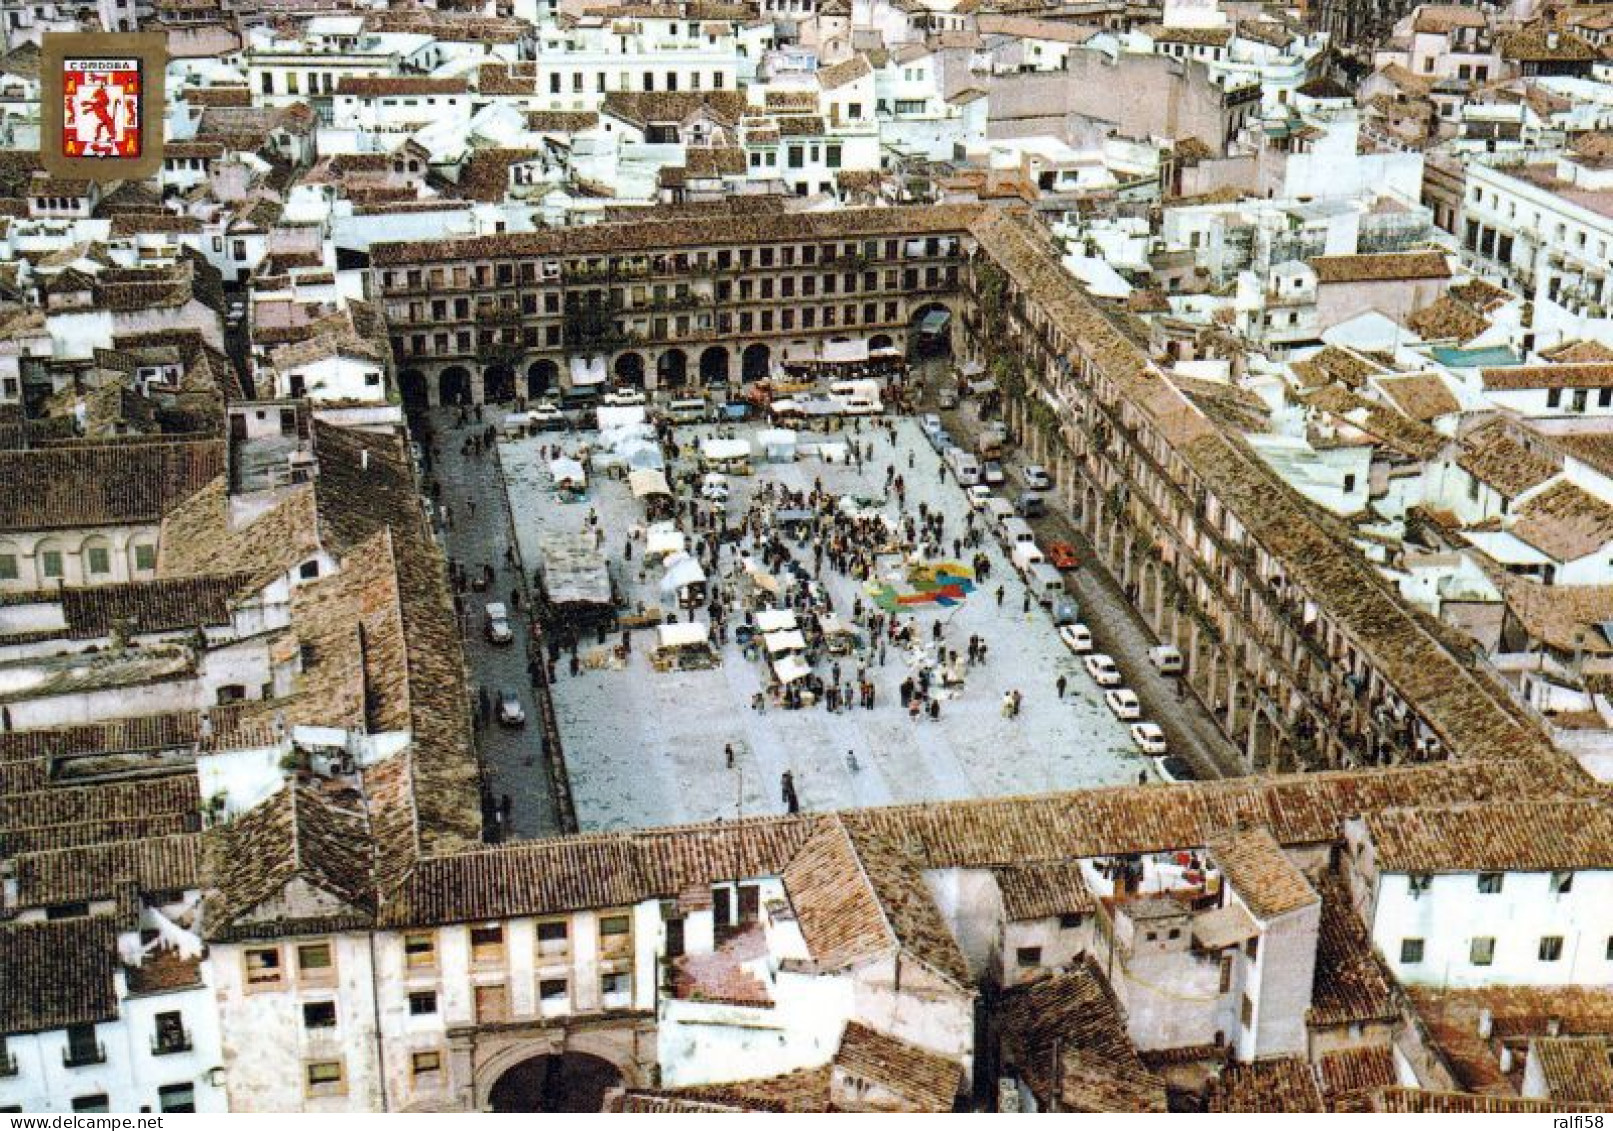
{"points": [[541, 377], [498, 384], [572, 1081], [454, 385], [412, 384], [672, 370], [755, 362], [714, 366], [630, 370]]}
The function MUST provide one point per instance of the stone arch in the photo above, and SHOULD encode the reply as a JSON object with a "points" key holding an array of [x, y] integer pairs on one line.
{"points": [[43, 560], [412, 385], [714, 365], [566, 1082], [498, 384], [453, 386], [926, 345], [756, 362], [672, 369], [629, 369], [541, 377], [627, 1048], [881, 342]]}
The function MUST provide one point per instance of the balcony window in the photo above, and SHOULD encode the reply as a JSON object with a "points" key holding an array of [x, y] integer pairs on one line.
{"points": [[616, 990], [615, 936], [554, 996], [263, 967], [487, 945], [325, 1078], [82, 1047], [319, 1015], [420, 950], [171, 1036], [554, 941]]}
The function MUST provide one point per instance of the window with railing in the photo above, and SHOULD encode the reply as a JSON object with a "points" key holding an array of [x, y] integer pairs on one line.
{"points": [[82, 1048], [171, 1036]]}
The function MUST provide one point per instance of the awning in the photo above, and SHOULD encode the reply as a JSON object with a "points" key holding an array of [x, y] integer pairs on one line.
{"points": [[775, 620], [843, 351], [662, 539], [682, 635], [620, 416], [721, 450], [935, 321], [682, 571], [587, 371], [791, 668], [568, 471], [779, 643], [831, 625], [647, 483]]}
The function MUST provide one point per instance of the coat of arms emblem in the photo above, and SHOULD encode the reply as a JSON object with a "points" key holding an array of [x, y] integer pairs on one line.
{"points": [[102, 100], [102, 105]]}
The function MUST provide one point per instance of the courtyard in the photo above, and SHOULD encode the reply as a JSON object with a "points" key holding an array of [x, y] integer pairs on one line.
{"points": [[647, 747]]}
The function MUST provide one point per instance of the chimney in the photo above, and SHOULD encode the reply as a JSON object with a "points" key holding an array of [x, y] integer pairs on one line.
{"points": [[1486, 1024], [1554, 1026], [1506, 1060], [1552, 40], [364, 458]]}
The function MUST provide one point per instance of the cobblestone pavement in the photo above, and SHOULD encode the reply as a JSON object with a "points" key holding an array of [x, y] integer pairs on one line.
{"points": [[513, 755], [1117, 627]]}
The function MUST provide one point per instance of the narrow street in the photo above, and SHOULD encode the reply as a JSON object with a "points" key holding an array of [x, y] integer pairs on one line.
{"points": [[1116, 626], [516, 767]]}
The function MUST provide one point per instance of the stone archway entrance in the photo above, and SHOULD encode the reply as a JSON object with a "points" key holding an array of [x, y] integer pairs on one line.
{"points": [[498, 384], [756, 362], [412, 385], [570, 1081], [714, 366], [454, 386], [541, 377]]}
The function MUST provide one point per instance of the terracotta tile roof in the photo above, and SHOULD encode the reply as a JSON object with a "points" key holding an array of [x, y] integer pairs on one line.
{"points": [[1595, 375], [1388, 267], [1537, 45], [107, 871], [1285, 1084], [907, 904], [1351, 986], [1579, 351], [1517, 1013], [395, 86], [1041, 891], [507, 78], [839, 914], [1409, 1101], [302, 835], [140, 606], [1491, 454], [731, 228], [1576, 1069], [1193, 36], [1516, 836], [1448, 319], [58, 974], [486, 175], [1439, 18], [926, 1080], [1421, 396], [1261, 873], [1332, 363], [197, 537], [51, 838], [1349, 1076], [107, 802], [1564, 617], [111, 485], [1565, 522], [663, 107], [1074, 1017], [795, 1092], [832, 78]]}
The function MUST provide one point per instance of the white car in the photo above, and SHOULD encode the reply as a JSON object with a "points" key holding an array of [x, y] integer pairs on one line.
{"points": [[978, 495], [546, 416], [1172, 769], [714, 489], [624, 398], [1149, 738], [1101, 667], [498, 623], [1123, 702], [1077, 638], [1036, 478], [992, 473], [510, 711]]}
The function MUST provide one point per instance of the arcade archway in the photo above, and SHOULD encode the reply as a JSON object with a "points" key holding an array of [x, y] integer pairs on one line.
{"points": [[453, 386], [755, 362], [566, 1082], [672, 370], [541, 378]]}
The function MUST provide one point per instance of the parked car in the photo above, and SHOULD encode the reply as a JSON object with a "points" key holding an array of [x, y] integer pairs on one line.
{"points": [[498, 623], [1172, 769], [1124, 703], [714, 488], [978, 495], [1036, 477], [1148, 738], [546, 416], [1030, 505], [1066, 612], [1062, 555], [931, 423], [1101, 667], [510, 711], [623, 398], [1077, 638], [993, 474], [1166, 658]]}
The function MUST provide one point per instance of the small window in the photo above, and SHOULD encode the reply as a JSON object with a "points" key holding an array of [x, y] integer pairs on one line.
{"points": [[314, 961], [176, 1097], [1246, 1011], [308, 570], [96, 1102], [552, 989], [51, 563], [1562, 883], [145, 557], [1069, 921], [325, 1078], [319, 1015], [1028, 956], [1490, 883], [553, 938], [8, 567], [614, 985], [1411, 950], [1551, 948], [98, 560], [487, 944], [422, 1003], [263, 966], [1481, 952], [1251, 949], [420, 950], [427, 1064]]}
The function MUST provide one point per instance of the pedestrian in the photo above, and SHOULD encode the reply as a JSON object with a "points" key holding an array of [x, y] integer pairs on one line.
{"points": [[483, 703], [851, 761], [1008, 705], [576, 665], [1142, 777], [935, 710], [792, 803], [728, 754], [1063, 682], [472, 505], [1000, 595], [1026, 606]]}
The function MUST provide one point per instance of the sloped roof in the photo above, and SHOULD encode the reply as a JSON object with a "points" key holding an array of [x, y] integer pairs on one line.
{"points": [[58, 974], [1515, 836]]}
